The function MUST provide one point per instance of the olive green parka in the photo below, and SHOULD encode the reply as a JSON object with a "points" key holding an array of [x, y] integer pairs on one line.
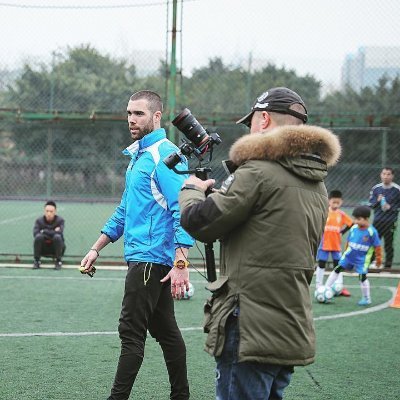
{"points": [[269, 216]]}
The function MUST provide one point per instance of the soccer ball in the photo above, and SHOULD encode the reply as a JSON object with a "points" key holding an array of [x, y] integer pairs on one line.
{"points": [[323, 294], [337, 288], [188, 293]]}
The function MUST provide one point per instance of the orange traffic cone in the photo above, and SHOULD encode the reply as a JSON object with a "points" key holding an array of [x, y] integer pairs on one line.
{"points": [[396, 301]]}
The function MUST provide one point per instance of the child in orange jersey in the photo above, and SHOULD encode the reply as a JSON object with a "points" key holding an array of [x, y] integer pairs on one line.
{"points": [[338, 222]]}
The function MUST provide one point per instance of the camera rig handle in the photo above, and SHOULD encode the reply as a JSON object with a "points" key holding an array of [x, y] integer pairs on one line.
{"points": [[202, 173]]}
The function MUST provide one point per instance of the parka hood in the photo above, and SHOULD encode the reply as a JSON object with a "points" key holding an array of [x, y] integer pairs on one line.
{"points": [[304, 149], [287, 141]]}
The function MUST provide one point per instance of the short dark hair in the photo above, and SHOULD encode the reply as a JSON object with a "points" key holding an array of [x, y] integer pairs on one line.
{"points": [[50, 203], [337, 194], [362, 212], [389, 169], [153, 99]]}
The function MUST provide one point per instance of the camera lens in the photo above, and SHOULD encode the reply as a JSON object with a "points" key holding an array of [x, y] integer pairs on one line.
{"points": [[190, 127]]}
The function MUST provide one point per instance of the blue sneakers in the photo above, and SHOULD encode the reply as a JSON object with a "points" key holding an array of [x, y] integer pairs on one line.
{"points": [[364, 302]]}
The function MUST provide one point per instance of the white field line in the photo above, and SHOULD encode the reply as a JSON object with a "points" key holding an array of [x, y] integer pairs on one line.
{"points": [[124, 268], [80, 277], [21, 217], [51, 266], [47, 334], [369, 310]]}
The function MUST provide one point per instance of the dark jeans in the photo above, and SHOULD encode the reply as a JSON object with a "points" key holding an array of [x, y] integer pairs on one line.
{"points": [[43, 246], [148, 305], [247, 380], [386, 231]]}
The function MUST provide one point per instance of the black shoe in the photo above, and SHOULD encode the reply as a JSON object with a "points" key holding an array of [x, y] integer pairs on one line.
{"points": [[58, 265], [36, 264]]}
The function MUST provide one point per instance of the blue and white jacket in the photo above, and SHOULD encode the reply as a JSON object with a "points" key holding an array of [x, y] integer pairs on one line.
{"points": [[148, 215]]}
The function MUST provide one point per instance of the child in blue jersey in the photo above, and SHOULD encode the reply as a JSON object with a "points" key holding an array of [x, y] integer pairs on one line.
{"points": [[362, 241]]}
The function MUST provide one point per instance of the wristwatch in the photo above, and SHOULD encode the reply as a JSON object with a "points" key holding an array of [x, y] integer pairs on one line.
{"points": [[181, 264]]}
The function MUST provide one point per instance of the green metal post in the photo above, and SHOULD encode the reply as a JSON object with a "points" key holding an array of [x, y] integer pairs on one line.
{"points": [[172, 134], [49, 169]]}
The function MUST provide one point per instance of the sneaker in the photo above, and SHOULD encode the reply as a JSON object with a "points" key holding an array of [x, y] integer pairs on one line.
{"points": [[364, 302], [58, 265], [36, 264], [345, 293]]}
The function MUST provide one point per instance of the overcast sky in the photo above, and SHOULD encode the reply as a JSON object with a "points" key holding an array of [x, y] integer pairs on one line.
{"points": [[311, 36]]}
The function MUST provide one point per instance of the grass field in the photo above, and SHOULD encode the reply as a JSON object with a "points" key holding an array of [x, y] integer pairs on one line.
{"points": [[83, 222], [58, 340]]}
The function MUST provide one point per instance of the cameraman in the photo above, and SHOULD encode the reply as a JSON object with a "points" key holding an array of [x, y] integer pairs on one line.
{"points": [[269, 216]]}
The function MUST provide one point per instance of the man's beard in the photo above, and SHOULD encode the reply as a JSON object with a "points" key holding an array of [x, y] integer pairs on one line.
{"points": [[146, 130]]}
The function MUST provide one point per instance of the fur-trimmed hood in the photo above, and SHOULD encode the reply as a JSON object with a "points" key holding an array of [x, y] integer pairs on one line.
{"points": [[289, 141]]}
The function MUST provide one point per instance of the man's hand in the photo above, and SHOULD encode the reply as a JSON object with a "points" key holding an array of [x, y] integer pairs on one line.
{"points": [[88, 261], [179, 277], [202, 185], [179, 281]]}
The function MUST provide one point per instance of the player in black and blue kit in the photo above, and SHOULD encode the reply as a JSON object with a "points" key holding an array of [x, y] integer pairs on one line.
{"points": [[362, 241], [384, 198]]}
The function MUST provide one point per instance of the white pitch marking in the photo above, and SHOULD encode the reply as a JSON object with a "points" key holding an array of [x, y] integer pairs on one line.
{"points": [[47, 334], [72, 278], [369, 310], [69, 278]]}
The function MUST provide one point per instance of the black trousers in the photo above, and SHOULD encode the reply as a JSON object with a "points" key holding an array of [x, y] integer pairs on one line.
{"points": [[43, 246], [386, 231], [148, 305]]}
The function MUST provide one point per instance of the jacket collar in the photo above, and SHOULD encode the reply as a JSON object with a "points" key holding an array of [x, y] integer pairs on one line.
{"points": [[146, 141], [289, 141]]}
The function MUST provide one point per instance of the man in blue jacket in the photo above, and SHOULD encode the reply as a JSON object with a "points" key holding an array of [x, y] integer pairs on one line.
{"points": [[155, 247]]}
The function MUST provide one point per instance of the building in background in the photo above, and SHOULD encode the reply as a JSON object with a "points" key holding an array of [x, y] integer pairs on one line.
{"points": [[370, 64]]}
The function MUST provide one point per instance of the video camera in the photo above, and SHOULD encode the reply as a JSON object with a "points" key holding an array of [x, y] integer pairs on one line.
{"points": [[199, 142]]}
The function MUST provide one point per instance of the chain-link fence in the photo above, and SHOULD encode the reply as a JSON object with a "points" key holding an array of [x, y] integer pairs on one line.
{"points": [[63, 93], [70, 162]]}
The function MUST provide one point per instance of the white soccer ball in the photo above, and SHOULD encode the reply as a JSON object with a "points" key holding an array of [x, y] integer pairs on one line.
{"points": [[337, 288], [323, 294], [188, 293]]}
